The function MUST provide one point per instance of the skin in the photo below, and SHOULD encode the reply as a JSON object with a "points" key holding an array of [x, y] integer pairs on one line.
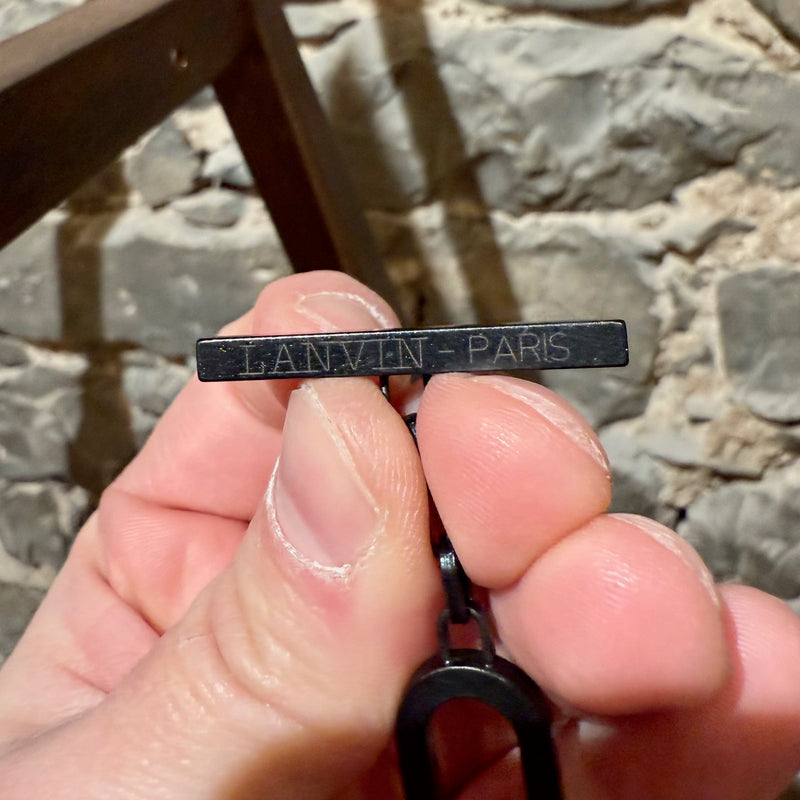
{"points": [[231, 630]]}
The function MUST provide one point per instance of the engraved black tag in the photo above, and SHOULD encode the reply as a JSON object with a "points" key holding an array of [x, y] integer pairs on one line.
{"points": [[551, 345]]}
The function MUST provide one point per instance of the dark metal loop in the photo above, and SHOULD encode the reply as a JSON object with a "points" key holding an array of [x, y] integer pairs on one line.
{"points": [[500, 685], [456, 584], [479, 617]]}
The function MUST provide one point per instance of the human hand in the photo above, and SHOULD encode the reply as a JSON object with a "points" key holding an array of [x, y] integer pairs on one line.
{"points": [[227, 628]]}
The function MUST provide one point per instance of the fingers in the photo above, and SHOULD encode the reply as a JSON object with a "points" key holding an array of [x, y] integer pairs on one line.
{"points": [[274, 561], [175, 516], [283, 678], [512, 468], [173, 520], [215, 447], [744, 744], [619, 617], [609, 614]]}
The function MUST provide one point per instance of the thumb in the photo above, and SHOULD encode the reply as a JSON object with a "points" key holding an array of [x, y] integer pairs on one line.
{"points": [[283, 678]]}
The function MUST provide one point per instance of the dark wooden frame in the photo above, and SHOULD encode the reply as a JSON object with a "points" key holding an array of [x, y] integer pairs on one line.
{"points": [[77, 90]]}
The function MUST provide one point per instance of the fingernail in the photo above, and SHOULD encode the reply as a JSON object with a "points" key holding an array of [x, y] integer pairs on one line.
{"points": [[341, 311], [677, 546], [555, 411], [323, 509]]}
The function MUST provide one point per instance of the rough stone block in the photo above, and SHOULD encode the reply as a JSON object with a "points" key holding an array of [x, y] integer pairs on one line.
{"points": [[30, 301], [502, 269], [227, 167], [760, 330], [150, 384], [39, 409], [319, 20], [637, 478], [17, 606], [212, 208], [38, 520], [563, 271], [17, 16], [547, 114], [750, 533], [166, 283], [689, 232], [162, 165]]}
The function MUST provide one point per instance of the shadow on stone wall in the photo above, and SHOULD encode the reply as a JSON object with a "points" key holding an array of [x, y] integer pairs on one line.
{"points": [[430, 115], [105, 441], [435, 133]]}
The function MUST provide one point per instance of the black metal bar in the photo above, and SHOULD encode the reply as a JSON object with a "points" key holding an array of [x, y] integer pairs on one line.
{"points": [[551, 345]]}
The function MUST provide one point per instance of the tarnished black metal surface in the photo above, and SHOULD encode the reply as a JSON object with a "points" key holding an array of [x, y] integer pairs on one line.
{"points": [[499, 684], [551, 345]]}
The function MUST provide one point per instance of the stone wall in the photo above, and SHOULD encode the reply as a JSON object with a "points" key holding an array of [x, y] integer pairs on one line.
{"points": [[519, 159]]}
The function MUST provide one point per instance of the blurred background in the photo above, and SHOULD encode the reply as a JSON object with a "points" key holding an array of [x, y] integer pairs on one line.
{"points": [[518, 160]]}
